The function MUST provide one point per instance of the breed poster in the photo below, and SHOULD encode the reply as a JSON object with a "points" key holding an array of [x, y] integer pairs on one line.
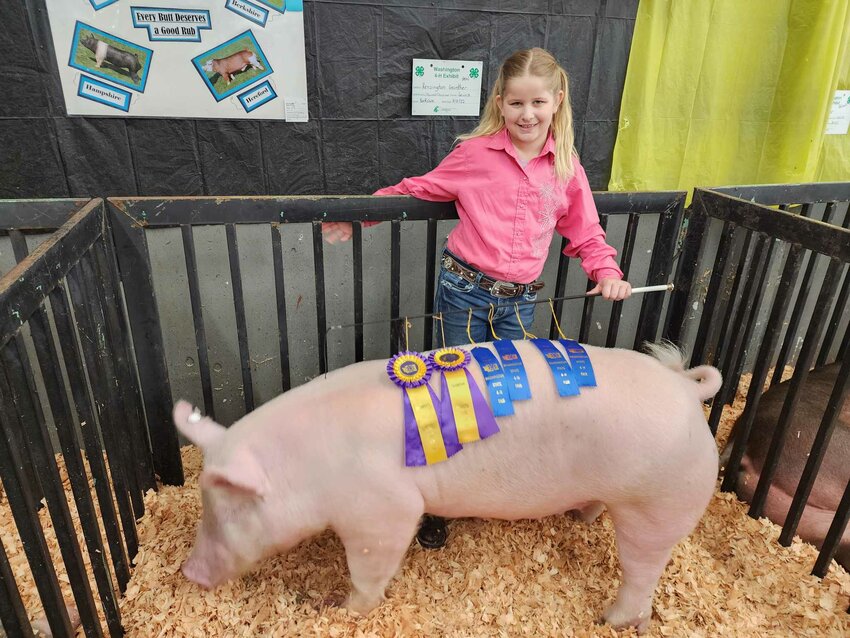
{"points": [[155, 58]]}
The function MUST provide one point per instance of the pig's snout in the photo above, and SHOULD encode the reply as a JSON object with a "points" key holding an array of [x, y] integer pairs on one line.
{"points": [[194, 571]]}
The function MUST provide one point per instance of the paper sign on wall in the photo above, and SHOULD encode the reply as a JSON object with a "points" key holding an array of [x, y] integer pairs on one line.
{"points": [[446, 87], [839, 114], [161, 58]]}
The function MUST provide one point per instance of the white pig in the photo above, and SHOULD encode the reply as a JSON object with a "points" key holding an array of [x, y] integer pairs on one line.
{"points": [[329, 454]]}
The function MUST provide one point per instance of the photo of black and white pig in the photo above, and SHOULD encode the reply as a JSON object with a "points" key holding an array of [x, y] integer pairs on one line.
{"points": [[114, 56], [329, 454]]}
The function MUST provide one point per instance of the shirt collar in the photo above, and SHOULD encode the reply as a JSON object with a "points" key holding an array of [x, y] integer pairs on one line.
{"points": [[502, 141]]}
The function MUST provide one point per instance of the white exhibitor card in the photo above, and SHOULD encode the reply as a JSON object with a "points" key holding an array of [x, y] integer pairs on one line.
{"points": [[839, 114], [446, 87]]}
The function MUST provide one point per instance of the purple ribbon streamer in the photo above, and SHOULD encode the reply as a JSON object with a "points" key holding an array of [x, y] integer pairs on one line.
{"points": [[414, 453], [484, 418]]}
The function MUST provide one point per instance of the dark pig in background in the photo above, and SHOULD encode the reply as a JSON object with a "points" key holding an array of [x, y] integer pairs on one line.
{"points": [[834, 471], [116, 57]]}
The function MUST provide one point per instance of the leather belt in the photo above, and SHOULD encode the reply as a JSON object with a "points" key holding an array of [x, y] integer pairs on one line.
{"points": [[495, 287]]}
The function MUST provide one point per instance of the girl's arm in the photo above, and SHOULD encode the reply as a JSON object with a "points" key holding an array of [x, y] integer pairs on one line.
{"points": [[438, 185], [580, 225]]}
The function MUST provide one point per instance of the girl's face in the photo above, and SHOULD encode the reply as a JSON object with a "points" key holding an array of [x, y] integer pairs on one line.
{"points": [[528, 106]]}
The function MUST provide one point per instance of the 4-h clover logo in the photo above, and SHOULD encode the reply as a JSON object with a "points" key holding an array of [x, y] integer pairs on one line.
{"points": [[473, 73], [420, 71]]}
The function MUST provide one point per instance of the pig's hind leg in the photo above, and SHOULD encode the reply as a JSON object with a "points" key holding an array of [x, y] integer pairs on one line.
{"points": [[375, 546], [646, 535]]}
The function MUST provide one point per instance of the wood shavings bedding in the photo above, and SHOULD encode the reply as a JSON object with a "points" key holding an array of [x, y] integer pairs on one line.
{"points": [[551, 577]]}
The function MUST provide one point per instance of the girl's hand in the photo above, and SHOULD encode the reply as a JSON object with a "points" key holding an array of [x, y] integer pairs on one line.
{"points": [[613, 289], [336, 231]]}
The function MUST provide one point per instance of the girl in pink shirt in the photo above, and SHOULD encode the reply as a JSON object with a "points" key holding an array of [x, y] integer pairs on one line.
{"points": [[515, 180]]}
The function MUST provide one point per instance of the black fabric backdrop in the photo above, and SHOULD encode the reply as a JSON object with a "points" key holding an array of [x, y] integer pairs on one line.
{"points": [[360, 136]]}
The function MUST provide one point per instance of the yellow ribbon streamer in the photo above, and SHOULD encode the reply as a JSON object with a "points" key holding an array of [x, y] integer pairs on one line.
{"points": [[428, 424], [462, 407]]}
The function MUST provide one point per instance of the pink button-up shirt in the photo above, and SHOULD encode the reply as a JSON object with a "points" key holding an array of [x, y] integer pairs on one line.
{"points": [[508, 211]]}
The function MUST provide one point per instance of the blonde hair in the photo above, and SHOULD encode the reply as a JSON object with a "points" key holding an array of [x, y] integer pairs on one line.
{"points": [[539, 63]]}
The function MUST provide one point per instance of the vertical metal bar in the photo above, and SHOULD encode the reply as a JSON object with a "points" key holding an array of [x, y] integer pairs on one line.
{"points": [[794, 321], [357, 249], [719, 298], [395, 285], [819, 445], [321, 313], [99, 367], [560, 287], [241, 324], [114, 389], [89, 429], [781, 302], [13, 615], [838, 313], [198, 318], [660, 269], [587, 309], [24, 509], [693, 248], [740, 336], [19, 245], [431, 273], [280, 296], [20, 251], [750, 321], [801, 371], [48, 358], [126, 384], [142, 311], [833, 535], [54, 492], [625, 264]]}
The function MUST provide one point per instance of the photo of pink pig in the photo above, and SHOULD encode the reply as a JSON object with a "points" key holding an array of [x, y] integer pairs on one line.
{"points": [[329, 455]]}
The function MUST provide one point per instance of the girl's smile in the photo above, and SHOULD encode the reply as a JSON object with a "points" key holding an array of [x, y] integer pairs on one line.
{"points": [[527, 107]]}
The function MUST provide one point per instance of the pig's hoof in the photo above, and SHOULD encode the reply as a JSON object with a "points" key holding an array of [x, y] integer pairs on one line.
{"points": [[432, 532], [617, 621]]}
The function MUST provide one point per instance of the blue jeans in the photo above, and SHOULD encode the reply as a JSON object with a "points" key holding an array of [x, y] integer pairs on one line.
{"points": [[455, 293]]}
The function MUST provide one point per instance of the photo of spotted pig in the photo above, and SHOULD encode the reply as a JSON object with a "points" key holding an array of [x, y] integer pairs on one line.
{"points": [[117, 58], [233, 64]]}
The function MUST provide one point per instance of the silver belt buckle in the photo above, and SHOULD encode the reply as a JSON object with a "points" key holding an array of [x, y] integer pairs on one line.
{"points": [[496, 289]]}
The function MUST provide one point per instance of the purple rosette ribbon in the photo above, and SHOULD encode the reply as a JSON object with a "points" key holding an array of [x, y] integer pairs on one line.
{"points": [[426, 441]]}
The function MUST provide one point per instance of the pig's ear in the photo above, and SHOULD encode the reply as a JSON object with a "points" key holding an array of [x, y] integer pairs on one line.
{"points": [[243, 476], [202, 431]]}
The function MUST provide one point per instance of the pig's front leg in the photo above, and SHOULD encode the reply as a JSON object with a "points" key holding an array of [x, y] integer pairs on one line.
{"points": [[375, 547]]}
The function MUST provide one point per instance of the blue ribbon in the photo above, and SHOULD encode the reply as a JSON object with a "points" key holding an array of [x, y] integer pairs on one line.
{"points": [[514, 370], [564, 378], [500, 398], [582, 368]]}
